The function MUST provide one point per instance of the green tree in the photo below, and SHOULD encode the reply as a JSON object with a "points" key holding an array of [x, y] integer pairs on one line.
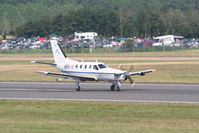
{"points": [[175, 20], [150, 23], [5, 25], [124, 16]]}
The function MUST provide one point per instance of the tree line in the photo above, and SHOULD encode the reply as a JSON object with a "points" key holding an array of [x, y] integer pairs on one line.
{"points": [[140, 18]]}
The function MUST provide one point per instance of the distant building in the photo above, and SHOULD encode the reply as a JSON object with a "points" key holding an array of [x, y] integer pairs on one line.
{"points": [[85, 35]]}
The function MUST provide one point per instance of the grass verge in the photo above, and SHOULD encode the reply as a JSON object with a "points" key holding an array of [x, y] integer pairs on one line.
{"points": [[98, 117], [180, 53]]}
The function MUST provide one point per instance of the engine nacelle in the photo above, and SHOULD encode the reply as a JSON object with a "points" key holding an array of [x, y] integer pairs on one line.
{"points": [[142, 74]]}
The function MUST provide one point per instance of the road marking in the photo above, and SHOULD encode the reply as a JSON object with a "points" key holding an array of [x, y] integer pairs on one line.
{"points": [[64, 83], [18, 89], [100, 100]]}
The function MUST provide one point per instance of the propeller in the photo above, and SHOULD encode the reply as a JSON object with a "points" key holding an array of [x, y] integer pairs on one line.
{"points": [[122, 68], [58, 79], [128, 77]]}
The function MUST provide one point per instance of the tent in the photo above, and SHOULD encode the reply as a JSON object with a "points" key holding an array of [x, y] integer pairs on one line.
{"points": [[53, 35]]}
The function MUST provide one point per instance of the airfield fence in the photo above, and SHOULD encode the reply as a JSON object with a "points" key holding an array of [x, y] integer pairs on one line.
{"points": [[97, 50]]}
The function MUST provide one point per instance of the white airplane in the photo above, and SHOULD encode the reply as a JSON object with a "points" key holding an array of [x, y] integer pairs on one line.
{"points": [[87, 71]]}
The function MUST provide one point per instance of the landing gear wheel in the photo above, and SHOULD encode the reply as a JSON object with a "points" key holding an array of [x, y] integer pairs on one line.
{"points": [[117, 88], [78, 88], [112, 87]]}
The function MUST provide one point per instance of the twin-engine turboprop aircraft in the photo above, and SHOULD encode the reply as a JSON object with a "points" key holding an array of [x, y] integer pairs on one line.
{"points": [[87, 71]]}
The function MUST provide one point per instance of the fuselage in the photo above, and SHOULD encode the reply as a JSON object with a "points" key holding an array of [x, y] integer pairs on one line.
{"points": [[96, 70]]}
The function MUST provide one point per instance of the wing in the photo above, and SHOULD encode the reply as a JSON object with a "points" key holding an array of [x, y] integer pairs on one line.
{"points": [[141, 73], [66, 76]]}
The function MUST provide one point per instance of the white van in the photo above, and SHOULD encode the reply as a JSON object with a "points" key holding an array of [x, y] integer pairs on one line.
{"points": [[167, 40]]}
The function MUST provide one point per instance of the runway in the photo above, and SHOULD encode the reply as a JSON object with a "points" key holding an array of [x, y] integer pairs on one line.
{"points": [[160, 93]]}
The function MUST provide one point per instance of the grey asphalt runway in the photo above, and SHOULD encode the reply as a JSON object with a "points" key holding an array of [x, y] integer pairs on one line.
{"points": [[163, 93]]}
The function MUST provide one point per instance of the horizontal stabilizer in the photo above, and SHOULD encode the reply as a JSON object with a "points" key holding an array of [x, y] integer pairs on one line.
{"points": [[39, 62]]}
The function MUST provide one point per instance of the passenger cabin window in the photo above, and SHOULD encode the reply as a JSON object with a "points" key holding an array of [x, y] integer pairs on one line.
{"points": [[85, 66], [76, 66], [95, 67], [80, 66], [101, 66], [90, 66]]}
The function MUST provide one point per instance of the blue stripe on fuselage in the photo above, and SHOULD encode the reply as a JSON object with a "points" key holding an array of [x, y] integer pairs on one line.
{"points": [[86, 72]]}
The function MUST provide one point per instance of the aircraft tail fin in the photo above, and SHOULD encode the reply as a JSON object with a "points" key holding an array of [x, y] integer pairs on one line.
{"points": [[58, 54]]}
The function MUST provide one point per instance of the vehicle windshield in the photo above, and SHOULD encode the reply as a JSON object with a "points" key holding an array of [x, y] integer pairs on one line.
{"points": [[101, 66]]}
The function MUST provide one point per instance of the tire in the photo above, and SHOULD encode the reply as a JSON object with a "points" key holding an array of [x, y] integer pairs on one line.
{"points": [[78, 88], [112, 87], [117, 88]]}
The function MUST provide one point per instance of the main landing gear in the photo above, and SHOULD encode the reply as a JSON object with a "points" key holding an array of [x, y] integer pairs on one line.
{"points": [[115, 87], [77, 86]]}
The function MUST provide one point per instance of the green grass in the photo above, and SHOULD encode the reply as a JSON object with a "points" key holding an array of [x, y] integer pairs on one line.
{"points": [[98, 117], [26, 62], [48, 53], [171, 73], [14, 62]]}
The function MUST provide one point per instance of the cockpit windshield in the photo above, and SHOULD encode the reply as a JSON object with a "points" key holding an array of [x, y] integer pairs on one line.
{"points": [[101, 66]]}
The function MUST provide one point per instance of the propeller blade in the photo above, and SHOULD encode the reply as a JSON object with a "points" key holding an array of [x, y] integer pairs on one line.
{"points": [[132, 82], [119, 83], [121, 67], [130, 79], [58, 79], [125, 67], [127, 74], [131, 68]]}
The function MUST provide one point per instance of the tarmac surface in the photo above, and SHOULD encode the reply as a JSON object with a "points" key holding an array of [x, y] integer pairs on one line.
{"points": [[152, 93]]}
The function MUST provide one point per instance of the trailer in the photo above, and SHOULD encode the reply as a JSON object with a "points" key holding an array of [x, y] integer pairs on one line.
{"points": [[167, 40]]}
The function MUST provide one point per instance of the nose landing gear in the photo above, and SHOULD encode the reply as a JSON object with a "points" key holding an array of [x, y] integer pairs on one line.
{"points": [[115, 86]]}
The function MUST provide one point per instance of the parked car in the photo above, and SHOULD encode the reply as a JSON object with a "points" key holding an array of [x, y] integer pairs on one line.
{"points": [[192, 43], [107, 46], [148, 43]]}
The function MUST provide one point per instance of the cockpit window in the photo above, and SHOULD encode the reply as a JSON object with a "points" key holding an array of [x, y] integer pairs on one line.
{"points": [[101, 66], [95, 67]]}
